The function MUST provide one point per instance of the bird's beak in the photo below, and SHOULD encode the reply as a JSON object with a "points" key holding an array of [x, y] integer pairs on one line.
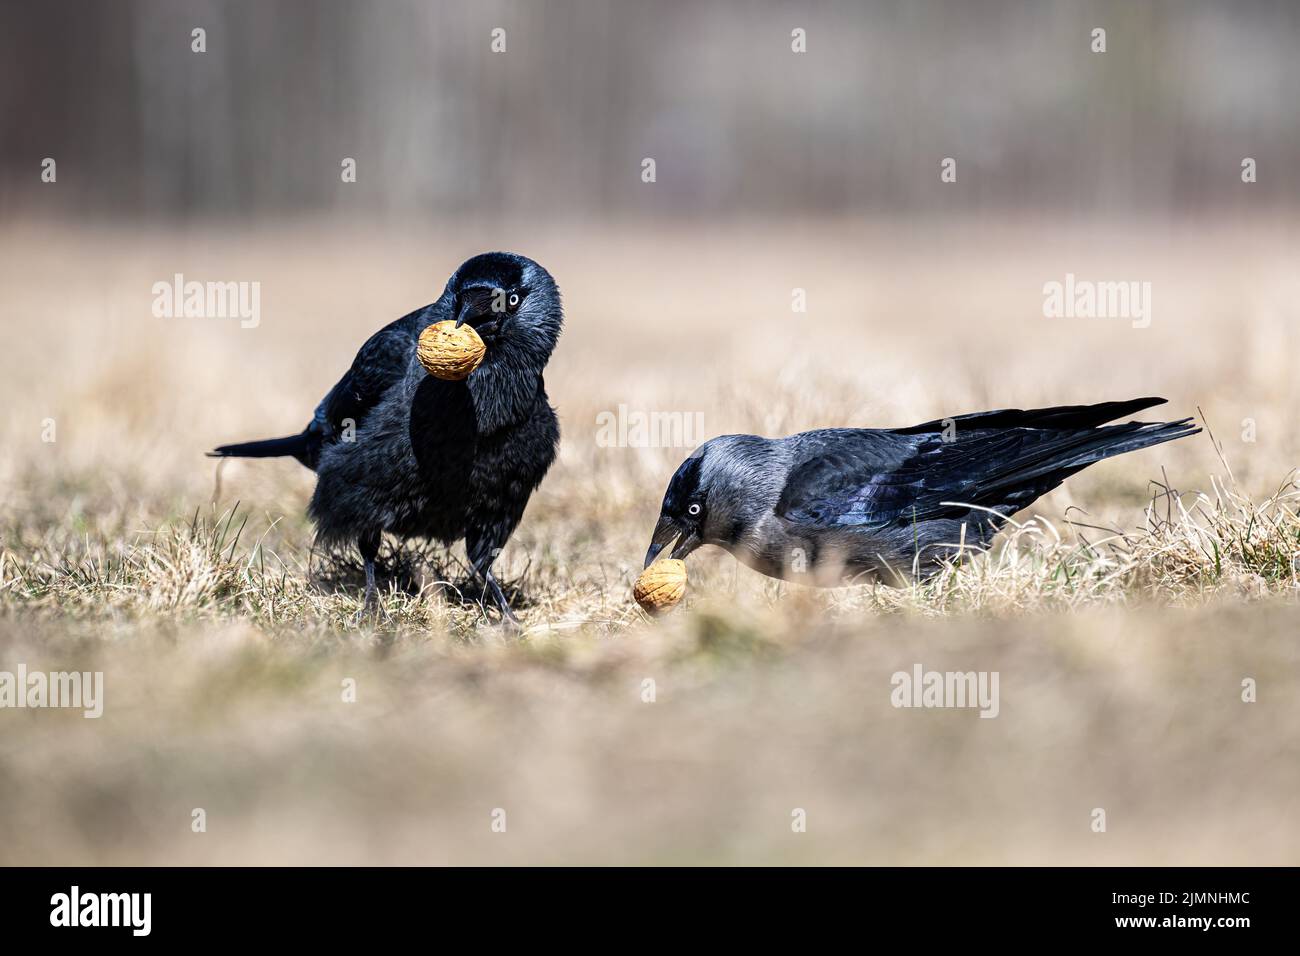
{"points": [[466, 310], [487, 324], [686, 544], [665, 531]]}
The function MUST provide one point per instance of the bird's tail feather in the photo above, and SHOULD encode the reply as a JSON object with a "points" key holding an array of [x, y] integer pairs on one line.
{"points": [[295, 446], [1062, 417], [1060, 459]]}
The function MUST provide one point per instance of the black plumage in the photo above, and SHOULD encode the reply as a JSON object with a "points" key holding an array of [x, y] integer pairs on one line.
{"points": [[398, 451], [886, 504]]}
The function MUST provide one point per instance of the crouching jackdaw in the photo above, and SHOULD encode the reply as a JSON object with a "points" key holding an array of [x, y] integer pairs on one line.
{"points": [[398, 451], [827, 506]]}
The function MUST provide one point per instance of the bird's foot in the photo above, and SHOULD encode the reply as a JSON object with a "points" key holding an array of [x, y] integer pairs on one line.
{"points": [[492, 589], [369, 613], [509, 621]]}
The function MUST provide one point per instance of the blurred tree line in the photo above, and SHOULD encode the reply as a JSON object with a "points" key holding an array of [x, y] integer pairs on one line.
{"points": [[141, 126]]}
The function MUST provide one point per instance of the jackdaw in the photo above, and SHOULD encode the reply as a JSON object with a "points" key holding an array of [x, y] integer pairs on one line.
{"points": [[838, 504], [396, 450]]}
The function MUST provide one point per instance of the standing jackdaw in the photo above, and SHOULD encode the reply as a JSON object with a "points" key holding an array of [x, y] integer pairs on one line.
{"points": [[824, 507], [396, 450]]}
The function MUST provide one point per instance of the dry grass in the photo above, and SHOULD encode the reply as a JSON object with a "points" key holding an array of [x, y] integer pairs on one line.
{"points": [[213, 568], [1123, 612]]}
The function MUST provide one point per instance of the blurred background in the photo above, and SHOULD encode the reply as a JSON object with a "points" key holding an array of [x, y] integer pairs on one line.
{"points": [[778, 175], [558, 124]]}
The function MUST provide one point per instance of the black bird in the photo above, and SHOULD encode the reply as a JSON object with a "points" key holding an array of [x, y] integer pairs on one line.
{"points": [[838, 504], [396, 450]]}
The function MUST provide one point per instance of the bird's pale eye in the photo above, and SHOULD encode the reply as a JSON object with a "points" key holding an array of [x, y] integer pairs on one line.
{"points": [[514, 300], [694, 510]]}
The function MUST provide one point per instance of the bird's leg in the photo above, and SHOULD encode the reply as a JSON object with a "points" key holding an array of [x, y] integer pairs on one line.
{"points": [[368, 545], [481, 556], [500, 597]]}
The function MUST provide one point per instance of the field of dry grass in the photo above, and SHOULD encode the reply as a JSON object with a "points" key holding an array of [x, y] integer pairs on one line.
{"points": [[1123, 616]]}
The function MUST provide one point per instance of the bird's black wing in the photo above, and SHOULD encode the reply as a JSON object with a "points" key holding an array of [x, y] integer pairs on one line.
{"points": [[858, 477], [380, 363], [1057, 417], [874, 478]]}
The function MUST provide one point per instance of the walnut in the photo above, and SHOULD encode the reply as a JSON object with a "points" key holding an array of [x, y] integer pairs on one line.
{"points": [[661, 585], [448, 352]]}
